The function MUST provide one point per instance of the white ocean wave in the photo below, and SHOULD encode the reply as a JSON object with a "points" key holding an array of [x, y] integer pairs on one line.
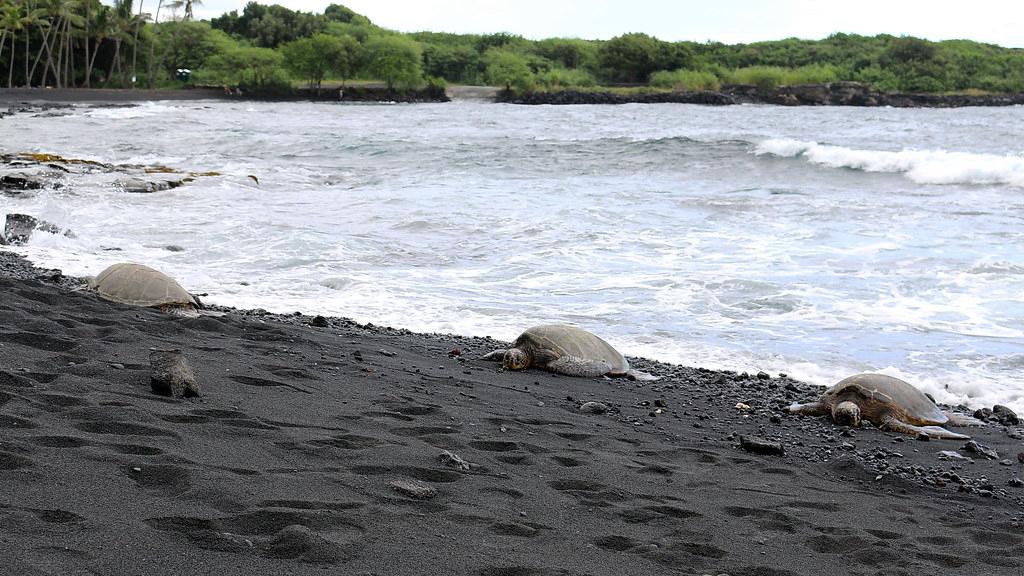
{"points": [[921, 166]]}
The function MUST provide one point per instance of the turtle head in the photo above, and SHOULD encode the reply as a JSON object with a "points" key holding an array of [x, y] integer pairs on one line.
{"points": [[846, 414], [516, 359]]}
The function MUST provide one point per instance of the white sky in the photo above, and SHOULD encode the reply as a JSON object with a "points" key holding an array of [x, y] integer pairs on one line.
{"points": [[731, 21]]}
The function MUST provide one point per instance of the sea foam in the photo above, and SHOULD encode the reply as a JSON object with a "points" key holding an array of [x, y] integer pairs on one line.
{"points": [[921, 166]]}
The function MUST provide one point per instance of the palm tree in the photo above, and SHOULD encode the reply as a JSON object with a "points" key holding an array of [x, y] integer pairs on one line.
{"points": [[36, 17], [150, 80], [188, 7], [23, 20], [32, 18], [61, 14], [102, 27], [10, 22]]}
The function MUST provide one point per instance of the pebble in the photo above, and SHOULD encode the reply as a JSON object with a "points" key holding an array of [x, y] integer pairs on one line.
{"points": [[761, 446], [593, 408], [171, 375], [413, 489], [453, 460], [319, 322]]}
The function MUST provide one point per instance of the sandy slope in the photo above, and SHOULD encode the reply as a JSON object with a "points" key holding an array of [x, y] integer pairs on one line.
{"points": [[286, 464]]}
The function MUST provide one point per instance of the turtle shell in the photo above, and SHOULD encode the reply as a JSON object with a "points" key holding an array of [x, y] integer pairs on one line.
{"points": [[140, 285], [876, 393], [552, 341]]}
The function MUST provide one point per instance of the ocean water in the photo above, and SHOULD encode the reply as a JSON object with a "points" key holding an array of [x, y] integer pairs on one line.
{"points": [[819, 242]]}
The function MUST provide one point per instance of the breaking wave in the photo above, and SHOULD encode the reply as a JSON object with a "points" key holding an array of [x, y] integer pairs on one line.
{"points": [[921, 166]]}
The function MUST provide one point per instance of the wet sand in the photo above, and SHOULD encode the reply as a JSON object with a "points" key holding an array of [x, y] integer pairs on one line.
{"points": [[316, 448]]}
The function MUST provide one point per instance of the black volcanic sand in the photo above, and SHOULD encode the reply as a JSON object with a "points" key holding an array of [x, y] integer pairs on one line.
{"points": [[286, 463], [101, 95]]}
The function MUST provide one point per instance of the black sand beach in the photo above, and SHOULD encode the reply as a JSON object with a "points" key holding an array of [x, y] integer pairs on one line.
{"points": [[315, 449]]}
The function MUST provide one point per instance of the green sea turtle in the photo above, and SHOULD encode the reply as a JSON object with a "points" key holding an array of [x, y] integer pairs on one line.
{"points": [[888, 403], [566, 350], [139, 285]]}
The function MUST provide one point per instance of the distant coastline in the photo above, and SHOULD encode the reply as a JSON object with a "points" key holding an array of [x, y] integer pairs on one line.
{"points": [[824, 94], [115, 95]]}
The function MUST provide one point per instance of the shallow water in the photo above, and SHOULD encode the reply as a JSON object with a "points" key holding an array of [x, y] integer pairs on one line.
{"points": [[813, 241]]}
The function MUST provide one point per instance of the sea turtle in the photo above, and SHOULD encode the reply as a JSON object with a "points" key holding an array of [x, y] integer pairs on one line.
{"points": [[888, 403], [139, 285], [566, 350]]}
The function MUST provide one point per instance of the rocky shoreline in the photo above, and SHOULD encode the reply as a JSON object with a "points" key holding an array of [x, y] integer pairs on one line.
{"points": [[320, 444], [828, 94], [359, 93]]}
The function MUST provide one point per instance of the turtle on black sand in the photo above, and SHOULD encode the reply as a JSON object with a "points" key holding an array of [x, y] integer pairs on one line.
{"points": [[139, 285], [888, 403], [565, 350]]}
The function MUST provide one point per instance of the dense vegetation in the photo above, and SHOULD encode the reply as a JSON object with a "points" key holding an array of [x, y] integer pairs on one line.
{"points": [[65, 43]]}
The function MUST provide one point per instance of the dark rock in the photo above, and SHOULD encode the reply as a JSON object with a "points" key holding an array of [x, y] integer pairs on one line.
{"points": [[1005, 416], [762, 375], [319, 322], [18, 228], [976, 448], [453, 460], [171, 374], [15, 183], [761, 446], [1016, 482], [983, 414]]}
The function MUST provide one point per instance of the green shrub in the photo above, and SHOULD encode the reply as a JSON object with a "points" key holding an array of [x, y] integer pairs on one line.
{"points": [[812, 74], [562, 78], [766, 78], [687, 80], [508, 69]]}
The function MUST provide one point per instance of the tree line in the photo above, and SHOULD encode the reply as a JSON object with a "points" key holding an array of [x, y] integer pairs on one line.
{"points": [[145, 43]]}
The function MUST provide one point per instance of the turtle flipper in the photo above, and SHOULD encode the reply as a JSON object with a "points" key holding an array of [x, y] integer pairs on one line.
{"points": [[939, 433], [496, 356], [573, 366], [641, 376], [809, 409], [961, 420]]}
